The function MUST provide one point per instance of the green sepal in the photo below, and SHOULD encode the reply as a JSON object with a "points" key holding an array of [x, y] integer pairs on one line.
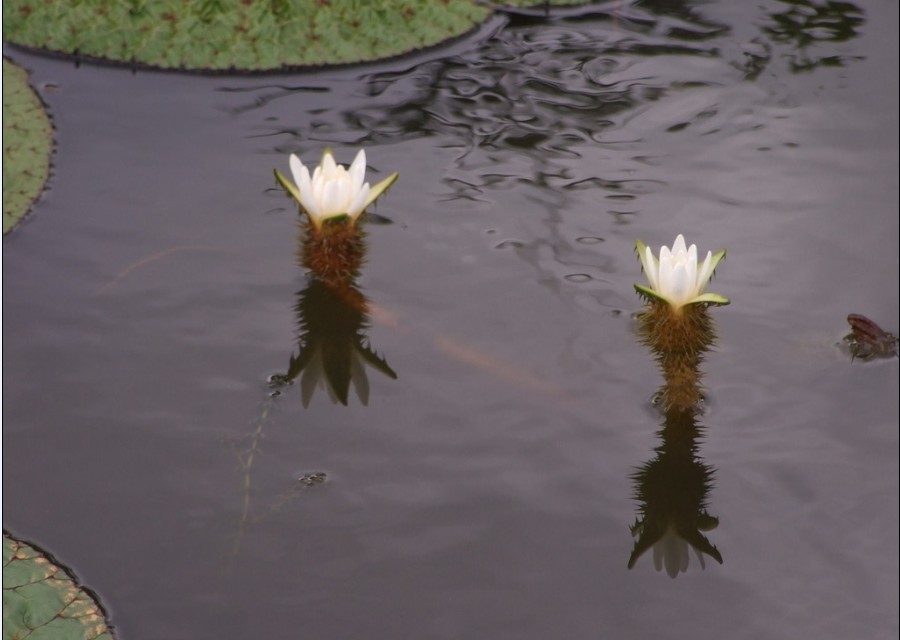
{"points": [[339, 218], [641, 250], [639, 247], [288, 186], [380, 188], [716, 258], [710, 298], [650, 294]]}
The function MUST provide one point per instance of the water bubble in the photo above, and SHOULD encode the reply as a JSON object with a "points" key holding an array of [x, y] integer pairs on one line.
{"points": [[277, 382], [510, 244], [590, 240], [657, 403], [578, 277]]}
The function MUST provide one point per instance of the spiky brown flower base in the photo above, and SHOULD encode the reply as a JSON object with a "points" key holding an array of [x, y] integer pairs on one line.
{"points": [[678, 338], [333, 253]]}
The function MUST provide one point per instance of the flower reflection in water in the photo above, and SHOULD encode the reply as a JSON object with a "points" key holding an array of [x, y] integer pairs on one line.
{"points": [[333, 350], [672, 491], [332, 317]]}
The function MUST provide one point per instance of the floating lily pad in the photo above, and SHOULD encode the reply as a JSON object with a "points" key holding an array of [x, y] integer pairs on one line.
{"points": [[43, 600], [250, 36], [27, 142], [245, 36], [542, 3]]}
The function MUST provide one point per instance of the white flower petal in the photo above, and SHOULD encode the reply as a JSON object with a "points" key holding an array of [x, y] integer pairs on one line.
{"points": [[297, 169], [328, 166], [651, 268], [318, 185], [358, 205], [304, 184], [664, 278], [680, 285], [332, 199], [664, 254], [704, 273], [358, 171], [679, 245], [690, 265]]}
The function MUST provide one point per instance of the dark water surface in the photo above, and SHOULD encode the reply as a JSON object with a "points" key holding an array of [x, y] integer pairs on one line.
{"points": [[487, 492]]}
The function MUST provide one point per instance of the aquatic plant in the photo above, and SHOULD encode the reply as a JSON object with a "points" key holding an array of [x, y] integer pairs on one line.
{"points": [[867, 340], [42, 598], [236, 36], [242, 36], [676, 278], [333, 192], [672, 488], [27, 145]]}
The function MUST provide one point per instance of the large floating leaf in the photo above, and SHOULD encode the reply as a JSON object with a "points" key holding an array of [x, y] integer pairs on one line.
{"points": [[42, 601], [249, 36], [27, 141], [542, 3], [223, 35]]}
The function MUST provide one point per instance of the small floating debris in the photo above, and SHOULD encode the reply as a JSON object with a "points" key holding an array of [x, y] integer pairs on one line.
{"points": [[312, 479], [867, 340]]}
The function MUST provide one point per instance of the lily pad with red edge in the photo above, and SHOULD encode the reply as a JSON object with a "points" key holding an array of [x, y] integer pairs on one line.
{"points": [[27, 145], [42, 599], [215, 35]]}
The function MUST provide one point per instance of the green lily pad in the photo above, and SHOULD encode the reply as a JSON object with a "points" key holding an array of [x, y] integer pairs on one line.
{"points": [[245, 36], [42, 600], [249, 36], [27, 143], [541, 3]]}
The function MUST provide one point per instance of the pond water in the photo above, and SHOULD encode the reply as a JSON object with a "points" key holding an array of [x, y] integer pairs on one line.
{"points": [[153, 300]]}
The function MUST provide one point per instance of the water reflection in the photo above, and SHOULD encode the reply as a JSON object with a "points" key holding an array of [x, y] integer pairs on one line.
{"points": [[333, 349], [803, 25], [535, 94], [672, 488]]}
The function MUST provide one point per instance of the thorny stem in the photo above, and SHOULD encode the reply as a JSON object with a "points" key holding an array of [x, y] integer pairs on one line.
{"points": [[246, 460]]}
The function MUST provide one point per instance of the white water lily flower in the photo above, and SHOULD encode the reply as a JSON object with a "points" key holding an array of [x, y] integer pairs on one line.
{"points": [[676, 278], [332, 191]]}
